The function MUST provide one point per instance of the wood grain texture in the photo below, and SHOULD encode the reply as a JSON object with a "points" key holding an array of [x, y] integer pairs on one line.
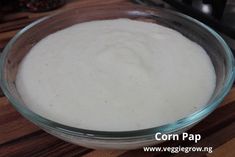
{"points": [[21, 138], [6, 36], [12, 124], [40, 144], [104, 153], [226, 149]]}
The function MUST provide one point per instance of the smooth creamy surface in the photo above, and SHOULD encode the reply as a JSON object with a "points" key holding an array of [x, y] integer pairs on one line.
{"points": [[116, 75]]}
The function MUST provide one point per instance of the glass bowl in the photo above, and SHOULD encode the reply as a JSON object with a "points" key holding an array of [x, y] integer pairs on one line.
{"points": [[20, 45]]}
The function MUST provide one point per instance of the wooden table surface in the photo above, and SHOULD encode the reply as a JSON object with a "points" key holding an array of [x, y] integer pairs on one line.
{"points": [[20, 138]]}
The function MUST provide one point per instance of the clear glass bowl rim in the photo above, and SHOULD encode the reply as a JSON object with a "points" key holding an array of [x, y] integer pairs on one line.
{"points": [[172, 127]]}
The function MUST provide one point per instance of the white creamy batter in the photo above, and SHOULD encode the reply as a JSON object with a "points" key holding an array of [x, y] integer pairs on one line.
{"points": [[116, 75]]}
